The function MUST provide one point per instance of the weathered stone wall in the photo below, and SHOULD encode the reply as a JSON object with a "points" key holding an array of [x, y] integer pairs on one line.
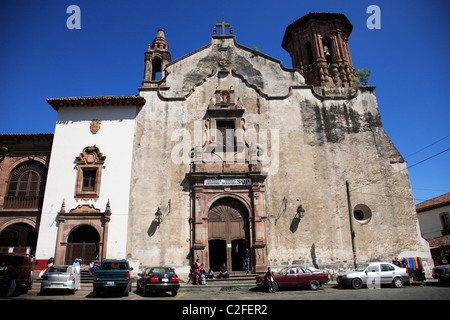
{"points": [[335, 142], [314, 145]]}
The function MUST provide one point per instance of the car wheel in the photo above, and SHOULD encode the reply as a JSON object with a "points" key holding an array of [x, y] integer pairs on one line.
{"points": [[397, 282], [356, 283], [314, 284], [174, 293], [275, 286]]}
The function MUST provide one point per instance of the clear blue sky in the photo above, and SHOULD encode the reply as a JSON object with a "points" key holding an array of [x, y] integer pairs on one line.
{"points": [[409, 57]]}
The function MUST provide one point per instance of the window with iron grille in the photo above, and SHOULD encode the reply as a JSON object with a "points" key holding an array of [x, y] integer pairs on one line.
{"points": [[26, 186]]}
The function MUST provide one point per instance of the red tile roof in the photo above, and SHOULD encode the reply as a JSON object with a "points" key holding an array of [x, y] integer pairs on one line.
{"points": [[96, 101], [25, 137], [443, 241], [433, 203]]}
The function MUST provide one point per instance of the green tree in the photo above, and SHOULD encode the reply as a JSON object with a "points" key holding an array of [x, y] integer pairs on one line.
{"points": [[364, 76]]}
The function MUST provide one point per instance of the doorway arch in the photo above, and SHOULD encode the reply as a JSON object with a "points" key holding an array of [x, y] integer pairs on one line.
{"points": [[228, 233], [19, 234], [83, 243]]}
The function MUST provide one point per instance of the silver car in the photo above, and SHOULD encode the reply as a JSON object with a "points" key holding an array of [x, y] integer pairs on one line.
{"points": [[62, 277], [373, 275]]}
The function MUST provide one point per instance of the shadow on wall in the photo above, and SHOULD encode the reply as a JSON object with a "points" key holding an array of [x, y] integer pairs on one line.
{"points": [[152, 229]]}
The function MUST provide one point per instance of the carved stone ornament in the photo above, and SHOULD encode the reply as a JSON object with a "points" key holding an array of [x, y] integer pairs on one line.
{"points": [[95, 126], [223, 63], [91, 155]]}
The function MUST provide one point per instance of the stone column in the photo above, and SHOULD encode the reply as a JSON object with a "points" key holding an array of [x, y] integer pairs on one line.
{"points": [[260, 230]]}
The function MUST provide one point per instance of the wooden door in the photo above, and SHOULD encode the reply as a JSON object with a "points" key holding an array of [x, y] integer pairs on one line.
{"points": [[228, 221], [84, 251]]}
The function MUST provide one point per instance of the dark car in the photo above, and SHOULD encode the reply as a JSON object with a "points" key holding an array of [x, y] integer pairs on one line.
{"points": [[17, 264], [158, 279], [442, 274], [297, 276]]}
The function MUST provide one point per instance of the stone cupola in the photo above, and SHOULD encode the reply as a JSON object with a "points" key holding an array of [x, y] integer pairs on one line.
{"points": [[318, 46]]}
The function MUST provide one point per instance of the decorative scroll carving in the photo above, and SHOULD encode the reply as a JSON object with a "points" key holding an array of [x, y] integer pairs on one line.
{"points": [[90, 155]]}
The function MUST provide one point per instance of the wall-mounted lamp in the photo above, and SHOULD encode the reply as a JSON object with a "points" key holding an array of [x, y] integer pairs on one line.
{"points": [[158, 215], [300, 212]]}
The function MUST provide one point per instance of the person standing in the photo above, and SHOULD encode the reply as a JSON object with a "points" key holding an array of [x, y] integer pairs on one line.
{"points": [[268, 278], [396, 262], [246, 260], [77, 265], [195, 271]]}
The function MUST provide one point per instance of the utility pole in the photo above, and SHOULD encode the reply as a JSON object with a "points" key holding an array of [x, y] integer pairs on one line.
{"points": [[352, 231]]}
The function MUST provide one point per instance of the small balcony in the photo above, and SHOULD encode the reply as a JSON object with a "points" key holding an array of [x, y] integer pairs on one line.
{"points": [[22, 202]]}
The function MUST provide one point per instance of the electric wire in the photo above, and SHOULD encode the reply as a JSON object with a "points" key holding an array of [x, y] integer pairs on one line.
{"points": [[427, 146], [435, 155]]}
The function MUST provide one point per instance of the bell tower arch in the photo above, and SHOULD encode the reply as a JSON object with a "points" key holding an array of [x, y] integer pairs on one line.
{"points": [[157, 57]]}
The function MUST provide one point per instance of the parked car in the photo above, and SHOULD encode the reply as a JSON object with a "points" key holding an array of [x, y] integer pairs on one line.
{"points": [[296, 276], [442, 274], [60, 278], [21, 263], [158, 279], [112, 275], [378, 272]]}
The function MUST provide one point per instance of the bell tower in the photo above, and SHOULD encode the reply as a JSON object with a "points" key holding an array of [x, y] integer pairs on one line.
{"points": [[157, 57], [318, 46]]}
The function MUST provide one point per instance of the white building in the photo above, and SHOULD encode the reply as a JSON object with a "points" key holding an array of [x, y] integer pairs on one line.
{"points": [[434, 221], [92, 151]]}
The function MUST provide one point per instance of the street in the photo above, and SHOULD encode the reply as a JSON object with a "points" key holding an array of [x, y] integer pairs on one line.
{"points": [[430, 291], [215, 302]]}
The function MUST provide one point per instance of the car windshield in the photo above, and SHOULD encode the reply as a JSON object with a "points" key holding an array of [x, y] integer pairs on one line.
{"points": [[284, 270], [115, 266], [162, 270], [60, 269], [362, 267]]}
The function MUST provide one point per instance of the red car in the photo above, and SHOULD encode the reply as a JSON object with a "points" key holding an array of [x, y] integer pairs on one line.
{"points": [[296, 276]]}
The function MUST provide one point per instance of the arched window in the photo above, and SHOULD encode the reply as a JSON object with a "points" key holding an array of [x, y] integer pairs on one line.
{"points": [[156, 69], [309, 54], [26, 186], [326, 41]]}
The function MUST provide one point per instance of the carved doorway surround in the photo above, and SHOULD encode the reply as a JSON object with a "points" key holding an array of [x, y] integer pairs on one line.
{"points": [[227, 217], [82, 215]]}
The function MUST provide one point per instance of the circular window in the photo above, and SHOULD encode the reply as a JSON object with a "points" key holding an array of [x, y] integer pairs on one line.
{"points": [[362, 213]]}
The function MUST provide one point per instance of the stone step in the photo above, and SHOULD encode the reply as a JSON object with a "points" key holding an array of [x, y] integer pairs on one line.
{"points": [[237, 279]]}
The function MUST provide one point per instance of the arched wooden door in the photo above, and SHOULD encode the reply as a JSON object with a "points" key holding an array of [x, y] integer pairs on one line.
{"points": [[228, 233], [82, 243]]}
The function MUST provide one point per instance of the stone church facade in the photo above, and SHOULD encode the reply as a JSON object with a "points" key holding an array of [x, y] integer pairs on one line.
{"points": [[225, 149]]}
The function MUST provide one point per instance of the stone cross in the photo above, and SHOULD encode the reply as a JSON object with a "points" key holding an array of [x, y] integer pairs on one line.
{"points": [[223, 25]]}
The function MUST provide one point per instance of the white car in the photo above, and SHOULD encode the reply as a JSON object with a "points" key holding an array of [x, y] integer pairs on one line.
{"points": [[62, 277], [374, 274]]}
